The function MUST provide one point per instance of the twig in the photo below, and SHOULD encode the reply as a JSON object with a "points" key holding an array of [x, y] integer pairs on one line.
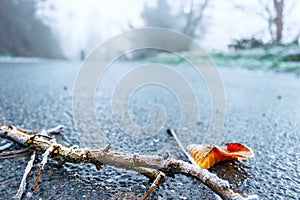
{"points": [[154, 185], [52, 131], [6, 146], [150, 173], [127, 161], [174, 135], [28, 168], [56, 130], [14, 153], [41, 167]]}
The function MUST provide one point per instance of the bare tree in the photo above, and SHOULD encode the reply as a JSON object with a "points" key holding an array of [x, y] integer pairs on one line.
{"points": [[159, 16], [275, 13], [194, 17], [278, 21], [187, 19], [268, 16], [274, 16]]}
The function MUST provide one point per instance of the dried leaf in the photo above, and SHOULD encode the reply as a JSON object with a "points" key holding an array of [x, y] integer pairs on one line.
{"points": [[207, 156]]}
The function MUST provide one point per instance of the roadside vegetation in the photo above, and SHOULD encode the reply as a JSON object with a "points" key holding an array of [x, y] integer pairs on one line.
{"points": [[278, 58]]}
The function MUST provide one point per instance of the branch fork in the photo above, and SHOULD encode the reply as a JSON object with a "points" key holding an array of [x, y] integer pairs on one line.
{"points": [[155, 167]]}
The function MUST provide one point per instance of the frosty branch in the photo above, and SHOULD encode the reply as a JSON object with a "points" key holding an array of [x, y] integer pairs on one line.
{"points": [[149, 165]]}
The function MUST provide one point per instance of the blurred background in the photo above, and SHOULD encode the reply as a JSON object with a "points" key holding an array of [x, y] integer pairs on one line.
{"points": [[234, 32]]}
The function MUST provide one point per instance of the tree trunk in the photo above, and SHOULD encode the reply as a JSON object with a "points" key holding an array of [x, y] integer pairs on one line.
{"points": [[278, 21]]}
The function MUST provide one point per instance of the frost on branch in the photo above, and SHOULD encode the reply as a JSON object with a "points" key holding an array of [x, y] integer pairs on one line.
{"points": [[151, 166]]}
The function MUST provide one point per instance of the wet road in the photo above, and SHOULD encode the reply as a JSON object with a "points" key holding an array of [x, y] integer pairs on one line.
{"points": [[263, 111]]}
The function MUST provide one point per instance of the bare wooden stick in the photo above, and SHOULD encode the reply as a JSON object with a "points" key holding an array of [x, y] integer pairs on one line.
{"points": [[6, 146], [52, 131], [121, 160], [28, 168], [150, 173], [56, 130], [154, 185], [174, 135], [14, 153], [41, 167]]}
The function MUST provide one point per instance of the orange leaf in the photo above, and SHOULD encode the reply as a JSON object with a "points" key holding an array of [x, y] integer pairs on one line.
{"points": [[207, 156]]}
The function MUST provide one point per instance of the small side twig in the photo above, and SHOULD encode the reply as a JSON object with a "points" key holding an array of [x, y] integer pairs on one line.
{"points": [[6, 146], [154, 185], [148, 172], [14, 153], [28, 168], [56, 130], [41, 167], [107, 148], [174, 135]]}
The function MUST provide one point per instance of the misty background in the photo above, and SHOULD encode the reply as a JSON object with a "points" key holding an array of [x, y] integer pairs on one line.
{"points": [[69, 29]]}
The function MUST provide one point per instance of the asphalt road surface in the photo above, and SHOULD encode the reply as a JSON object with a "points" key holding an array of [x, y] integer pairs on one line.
{"points": [[262, 111]]}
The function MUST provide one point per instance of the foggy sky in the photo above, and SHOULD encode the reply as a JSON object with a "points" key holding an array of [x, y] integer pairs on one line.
{"points": [[82, 24]]}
